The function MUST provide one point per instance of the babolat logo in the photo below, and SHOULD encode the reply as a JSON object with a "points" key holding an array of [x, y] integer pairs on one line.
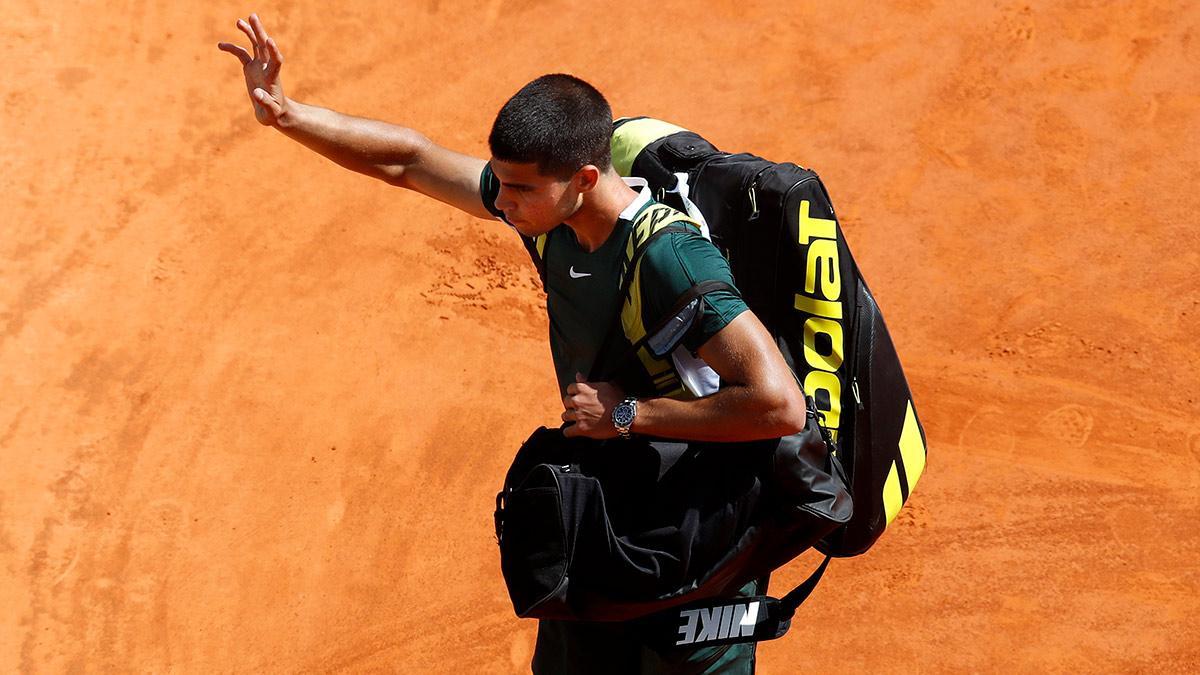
{"points": [[820, 298], [717, 623]]}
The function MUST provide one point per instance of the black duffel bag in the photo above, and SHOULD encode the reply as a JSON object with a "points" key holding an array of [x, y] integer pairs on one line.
{"points": [[621, 529]]}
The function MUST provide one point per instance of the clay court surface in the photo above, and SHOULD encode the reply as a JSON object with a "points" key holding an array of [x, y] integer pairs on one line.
{"points": [[254, 408]]}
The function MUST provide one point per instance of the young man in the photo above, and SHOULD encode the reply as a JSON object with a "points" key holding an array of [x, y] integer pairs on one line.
{"points": [[551, 179]]}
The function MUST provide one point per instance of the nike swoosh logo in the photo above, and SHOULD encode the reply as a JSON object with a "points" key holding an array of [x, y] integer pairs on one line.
{"points": [[577, 275]]}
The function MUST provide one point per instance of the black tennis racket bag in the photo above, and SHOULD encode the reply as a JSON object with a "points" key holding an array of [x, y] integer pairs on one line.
{"points": [[776, 226]]}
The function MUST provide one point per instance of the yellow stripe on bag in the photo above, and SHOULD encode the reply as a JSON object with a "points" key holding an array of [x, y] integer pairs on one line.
{"points": [[540, 242], [632, 137], [892, 499], [912, 449]]}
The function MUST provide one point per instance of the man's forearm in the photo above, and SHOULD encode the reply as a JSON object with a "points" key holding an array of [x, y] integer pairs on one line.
{"points": [[759, 397], [370, 147], [735, 413]]}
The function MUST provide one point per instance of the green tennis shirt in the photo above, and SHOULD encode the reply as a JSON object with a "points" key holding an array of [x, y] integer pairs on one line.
{"points": [[583, 305]]}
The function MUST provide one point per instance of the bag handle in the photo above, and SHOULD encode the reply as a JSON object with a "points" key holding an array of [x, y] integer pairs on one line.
{"points": [[684, 191]]}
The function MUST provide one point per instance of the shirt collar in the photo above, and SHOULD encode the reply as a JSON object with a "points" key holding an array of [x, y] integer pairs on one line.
{"points": [[638, 201]]}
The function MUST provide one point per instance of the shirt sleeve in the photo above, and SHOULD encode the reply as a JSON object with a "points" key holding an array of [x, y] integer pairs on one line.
{"points": [[489, 189], [675, 263]]}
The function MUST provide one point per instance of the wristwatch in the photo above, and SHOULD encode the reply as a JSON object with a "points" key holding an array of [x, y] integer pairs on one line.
{"points": [[623, 415]]}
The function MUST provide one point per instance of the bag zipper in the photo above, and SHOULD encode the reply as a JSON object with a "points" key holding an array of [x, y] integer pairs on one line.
{"points": [[752, 193]]}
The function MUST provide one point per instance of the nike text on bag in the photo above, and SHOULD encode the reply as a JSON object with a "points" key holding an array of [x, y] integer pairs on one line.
{"points": [[776, 226]]}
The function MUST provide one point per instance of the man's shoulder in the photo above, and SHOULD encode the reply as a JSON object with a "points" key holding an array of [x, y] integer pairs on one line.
{"points": [[647, 227], [655, 214], [677, 261], [682, 242]]}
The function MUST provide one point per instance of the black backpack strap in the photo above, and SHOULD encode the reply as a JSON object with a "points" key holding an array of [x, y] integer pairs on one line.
{"points": [[596, 374], [681, 304]]}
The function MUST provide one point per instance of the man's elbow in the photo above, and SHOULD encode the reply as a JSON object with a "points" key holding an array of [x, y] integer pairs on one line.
{"points": [[408, 149], [784, 410]]}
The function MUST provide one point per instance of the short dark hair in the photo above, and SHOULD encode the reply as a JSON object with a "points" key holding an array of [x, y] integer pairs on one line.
{"points": [[558, 121]]}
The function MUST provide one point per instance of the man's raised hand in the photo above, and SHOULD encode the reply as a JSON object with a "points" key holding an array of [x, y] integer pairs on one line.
{"points": [[261, 70]]}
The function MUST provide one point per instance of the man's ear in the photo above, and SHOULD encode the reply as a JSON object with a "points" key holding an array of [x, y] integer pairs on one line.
{"points": [[587, 178]]}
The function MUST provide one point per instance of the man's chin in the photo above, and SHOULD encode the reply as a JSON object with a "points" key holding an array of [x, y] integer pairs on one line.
{"points": [[524, 227]]}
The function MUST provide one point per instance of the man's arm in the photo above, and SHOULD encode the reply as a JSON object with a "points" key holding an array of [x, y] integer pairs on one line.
{"points": [[391, 153], [759, 397], [395, 154]]}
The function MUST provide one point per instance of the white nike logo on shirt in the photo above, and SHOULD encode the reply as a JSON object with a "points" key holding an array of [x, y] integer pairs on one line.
{"points": [[577, 275]]}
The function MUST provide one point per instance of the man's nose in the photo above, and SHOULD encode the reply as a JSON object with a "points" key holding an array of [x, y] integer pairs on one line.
{"points": [[503, 201]]}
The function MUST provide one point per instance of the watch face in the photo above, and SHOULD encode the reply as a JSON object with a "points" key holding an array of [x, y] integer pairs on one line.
{"points": [[623, 415]]}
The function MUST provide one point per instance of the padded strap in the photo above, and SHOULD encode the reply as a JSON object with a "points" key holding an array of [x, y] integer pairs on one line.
{"points": [[683, 301], [595, 374], [687, 298]]}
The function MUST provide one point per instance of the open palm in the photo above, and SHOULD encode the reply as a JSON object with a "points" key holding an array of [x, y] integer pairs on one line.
{"points": [[261, 70]]}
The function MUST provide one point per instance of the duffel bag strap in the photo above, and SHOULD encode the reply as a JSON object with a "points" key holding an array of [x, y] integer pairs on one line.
{"points": [[726, 621], [717, 621], [799, 594]]}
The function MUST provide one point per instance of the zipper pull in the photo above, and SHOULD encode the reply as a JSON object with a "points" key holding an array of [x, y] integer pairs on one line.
{"points": [[854, 390], [753, 203]]}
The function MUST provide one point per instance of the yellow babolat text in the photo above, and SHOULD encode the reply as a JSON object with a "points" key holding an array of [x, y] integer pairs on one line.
{"points": [[820, 299]]}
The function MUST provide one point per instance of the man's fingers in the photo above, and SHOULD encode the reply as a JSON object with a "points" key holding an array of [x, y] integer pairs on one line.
{"points": [[276, 58], [571, 431], [237, 51], [245, 28], [568, 416], [275, 51], [259, 31]]}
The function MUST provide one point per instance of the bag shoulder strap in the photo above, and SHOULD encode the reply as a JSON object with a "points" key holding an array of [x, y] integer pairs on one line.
{"points": [[724, 621], [654, 222]]}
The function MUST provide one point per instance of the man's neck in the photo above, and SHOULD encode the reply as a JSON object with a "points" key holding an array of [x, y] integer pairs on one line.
{"points": [[593, 223]]}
